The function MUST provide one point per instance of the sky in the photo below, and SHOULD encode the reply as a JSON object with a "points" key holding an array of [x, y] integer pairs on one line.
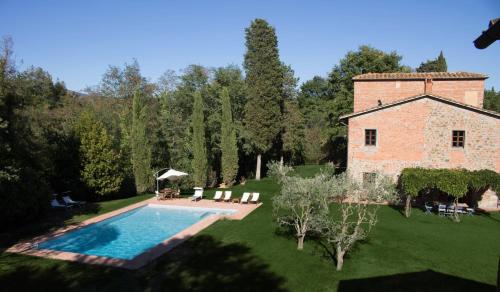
{"points": [[76, 41]]}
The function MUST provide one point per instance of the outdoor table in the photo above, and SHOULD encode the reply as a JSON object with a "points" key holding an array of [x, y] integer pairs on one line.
{"points": [[236, 200]]}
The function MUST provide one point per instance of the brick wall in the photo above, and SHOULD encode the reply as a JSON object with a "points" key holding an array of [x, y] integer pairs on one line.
{"points": [[368, 92], [419, 133]]}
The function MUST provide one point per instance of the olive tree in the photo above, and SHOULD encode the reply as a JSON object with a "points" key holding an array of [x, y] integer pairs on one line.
{"points": [[357, 212], [300, 201]]}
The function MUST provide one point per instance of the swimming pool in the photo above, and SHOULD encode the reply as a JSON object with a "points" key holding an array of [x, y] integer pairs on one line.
{"points": [[129, 234]]}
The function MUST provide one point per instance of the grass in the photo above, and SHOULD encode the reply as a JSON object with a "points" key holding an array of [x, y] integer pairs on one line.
{"points": [[424, 252]]}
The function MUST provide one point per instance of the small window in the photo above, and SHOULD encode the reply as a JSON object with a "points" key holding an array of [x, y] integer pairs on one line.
{"points": [[370, 137], [458, 139], [369, 178]]}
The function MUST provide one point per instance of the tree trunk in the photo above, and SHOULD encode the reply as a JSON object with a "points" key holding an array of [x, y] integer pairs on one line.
{"points": [[257, 170], [300, 242], [408, 206], [281, 161], [455, 211], [340, 259]]}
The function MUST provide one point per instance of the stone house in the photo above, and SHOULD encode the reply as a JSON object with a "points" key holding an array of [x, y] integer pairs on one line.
{"points": [[431, 120]]}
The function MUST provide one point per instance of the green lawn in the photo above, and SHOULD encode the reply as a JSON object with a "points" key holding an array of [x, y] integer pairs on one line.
{"points": [[422, 253]]}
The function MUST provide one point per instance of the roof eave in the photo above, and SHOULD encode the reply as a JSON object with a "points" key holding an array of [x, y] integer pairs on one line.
{"points": [[410, 99]]}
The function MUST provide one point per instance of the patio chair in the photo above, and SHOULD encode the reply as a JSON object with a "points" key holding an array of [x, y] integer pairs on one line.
{"points": [[470, 211], [56, 205], [450, 209], [227, 196], [68, 201], [218, 196], [244, 198], [255, 198], [198, 194], [428, 208], [442, 210]]}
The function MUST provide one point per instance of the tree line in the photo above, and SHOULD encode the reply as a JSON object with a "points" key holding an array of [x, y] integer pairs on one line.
{"points": [[218, 124]]}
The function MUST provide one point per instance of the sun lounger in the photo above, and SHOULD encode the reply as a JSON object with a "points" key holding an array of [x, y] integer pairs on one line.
{"points": [[227, 196], [55, 204], [255, 198], [68, 201], [244, 199], [218, 196], [198, 194]]}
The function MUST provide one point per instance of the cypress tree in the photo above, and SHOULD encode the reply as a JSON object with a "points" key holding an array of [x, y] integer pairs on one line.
{"points": [[140, 146], [264, 77], [199, 162], [228, 141], [441, 65]]}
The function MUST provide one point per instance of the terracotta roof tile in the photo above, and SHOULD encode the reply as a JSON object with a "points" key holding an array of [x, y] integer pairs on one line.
{"points": [[419, 76]]}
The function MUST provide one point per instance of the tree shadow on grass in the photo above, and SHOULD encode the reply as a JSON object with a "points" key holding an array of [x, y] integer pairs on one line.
{"points": [[55, 219], [200, 264], [412, 282], [24, 273], [206, 264]]}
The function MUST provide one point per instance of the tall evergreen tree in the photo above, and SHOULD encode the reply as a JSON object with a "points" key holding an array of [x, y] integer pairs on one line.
{"points": [[100, 162], [199, 162], [436, 65], [264, 77], [139, 145], [228, 145]]}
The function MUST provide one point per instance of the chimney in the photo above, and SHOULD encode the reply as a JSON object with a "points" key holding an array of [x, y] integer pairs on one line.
{"points": [[428, 86]]}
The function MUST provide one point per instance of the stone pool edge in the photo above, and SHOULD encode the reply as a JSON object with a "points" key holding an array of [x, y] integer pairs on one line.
{"points": [[29, 247]]}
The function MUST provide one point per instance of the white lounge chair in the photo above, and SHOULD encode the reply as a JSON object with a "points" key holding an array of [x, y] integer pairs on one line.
{"points": [[244, 199], [198, 194], [255, 198], [69, 201], [218, 196], [55, 204], [227, 196]]}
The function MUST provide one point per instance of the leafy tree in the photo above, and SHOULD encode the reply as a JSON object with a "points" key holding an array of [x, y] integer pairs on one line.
{"points": [[231, 77], [366, 59], [436, 65], [100, 162], [300, 201], [354, 217], [313, 150], [264, 77], [313, 92], [228, 141], [199, 163], [492, 100], [293, 131], [322, 103], [24, 151], [122, 82], [140, 145]]}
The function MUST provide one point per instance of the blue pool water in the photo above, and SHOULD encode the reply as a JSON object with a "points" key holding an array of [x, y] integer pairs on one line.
{"points": [[131, 233]]}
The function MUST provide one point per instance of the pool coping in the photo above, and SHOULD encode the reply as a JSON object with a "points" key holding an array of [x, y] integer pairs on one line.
{"points": [[29, 247]]}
